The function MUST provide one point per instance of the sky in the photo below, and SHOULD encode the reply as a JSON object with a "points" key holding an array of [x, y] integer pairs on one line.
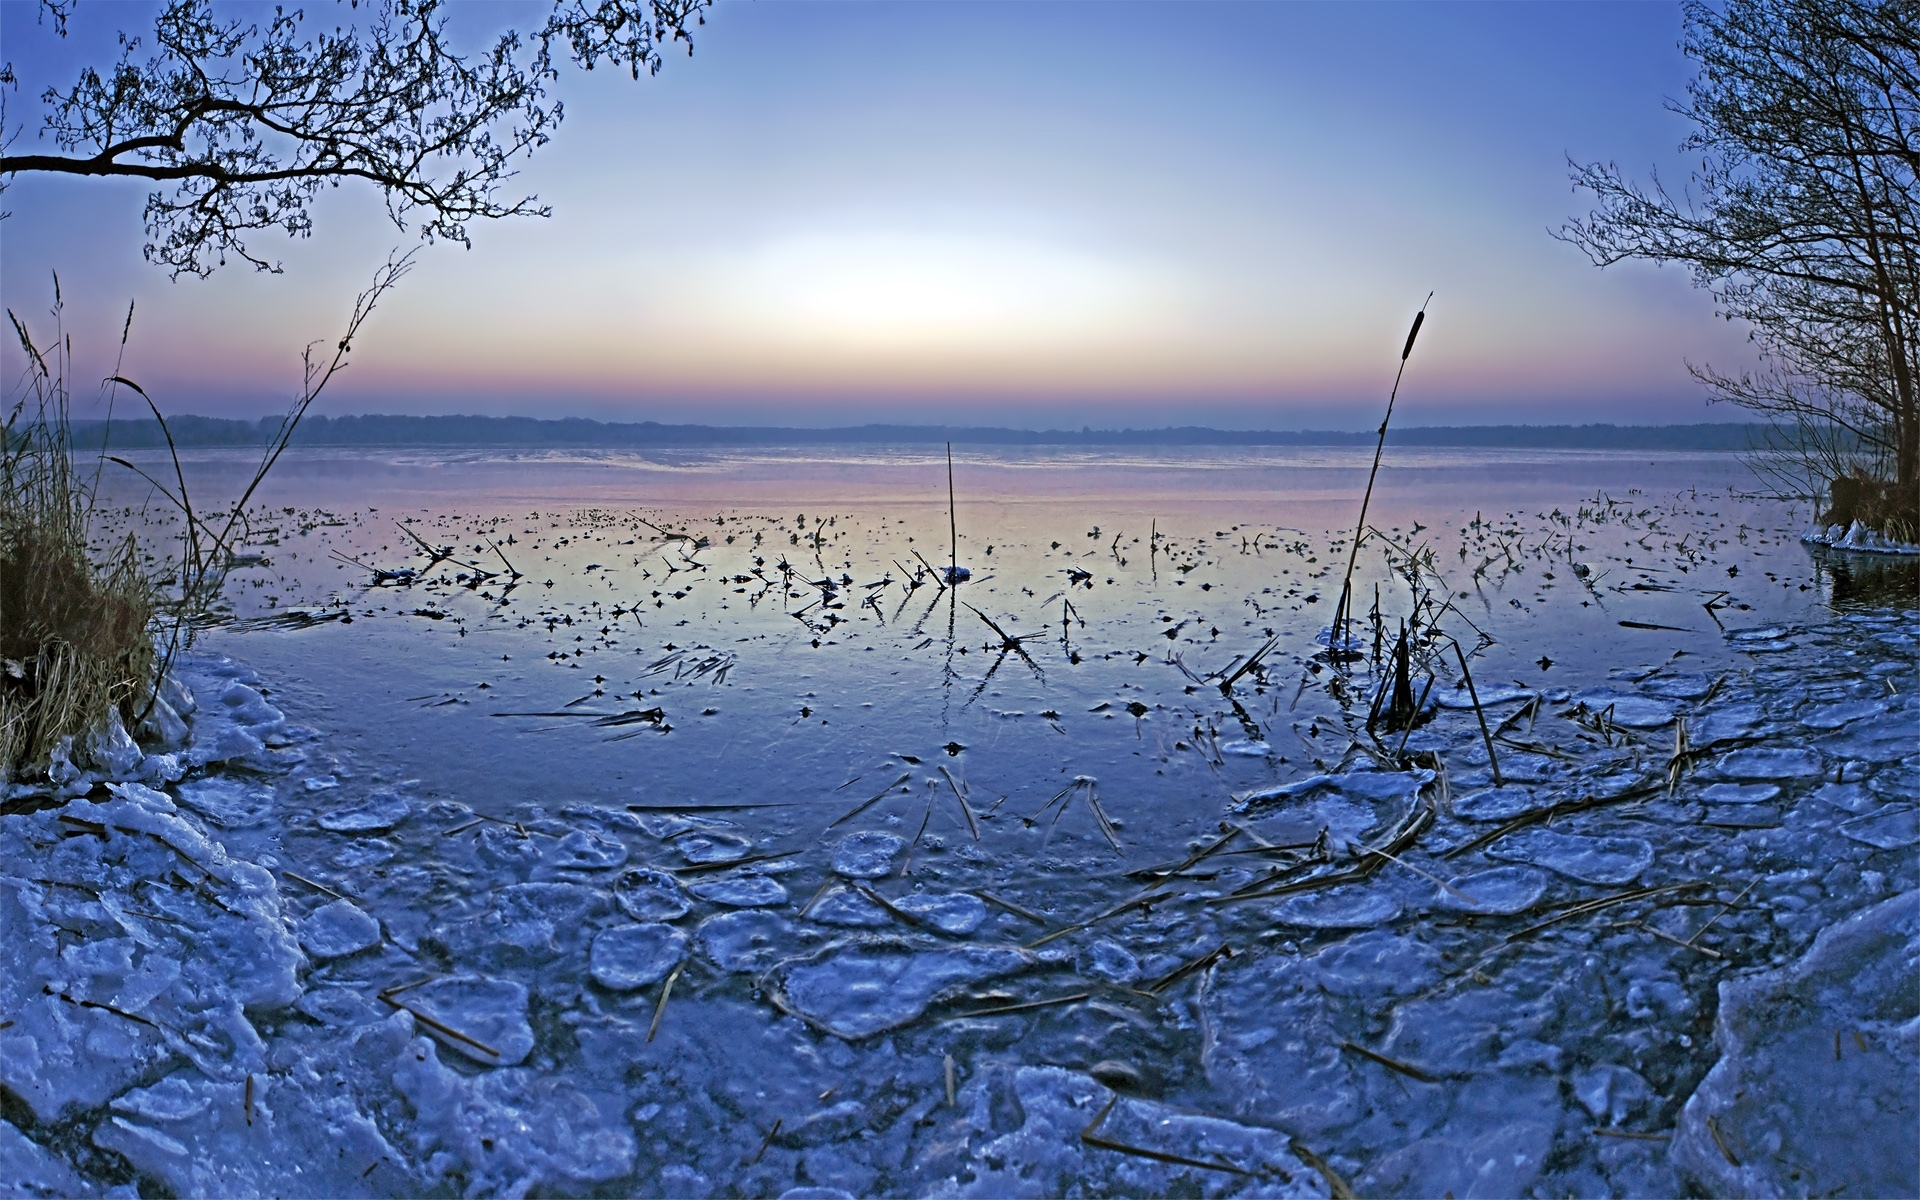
{"points": [[1026, 213]]}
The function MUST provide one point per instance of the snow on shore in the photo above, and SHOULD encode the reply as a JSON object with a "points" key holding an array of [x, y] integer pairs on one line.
{"points": [[1856, 537]]}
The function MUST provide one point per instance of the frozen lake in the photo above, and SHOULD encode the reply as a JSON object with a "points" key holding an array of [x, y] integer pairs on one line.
{"points": [[620, 824]]}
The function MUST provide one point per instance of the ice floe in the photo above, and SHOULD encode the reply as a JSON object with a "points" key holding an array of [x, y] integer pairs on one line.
{"points": [[632, 956], [378, 813], [481, 1018], [1590, 859], [1355, 906], [650, 895], [867, 855], [337, 930], [741, 891], [1498, 891], [867, 988], [1813, 1092]]}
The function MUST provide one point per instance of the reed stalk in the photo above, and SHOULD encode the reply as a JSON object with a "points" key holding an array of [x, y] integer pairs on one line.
{"points": [[1342, 611]]}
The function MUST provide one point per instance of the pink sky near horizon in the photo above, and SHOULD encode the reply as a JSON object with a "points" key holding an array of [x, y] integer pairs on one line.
{"points": [[1116, 215]]}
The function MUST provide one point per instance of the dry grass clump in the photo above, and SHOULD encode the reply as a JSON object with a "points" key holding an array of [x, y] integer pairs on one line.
{"points": [[75, 635], [1880, 505]]}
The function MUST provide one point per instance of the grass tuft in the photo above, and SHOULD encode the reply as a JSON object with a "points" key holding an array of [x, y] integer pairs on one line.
{"points": [[75, 631]]}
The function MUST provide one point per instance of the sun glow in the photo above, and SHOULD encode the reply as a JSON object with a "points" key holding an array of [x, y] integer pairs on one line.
{"points": [[889, 291]]}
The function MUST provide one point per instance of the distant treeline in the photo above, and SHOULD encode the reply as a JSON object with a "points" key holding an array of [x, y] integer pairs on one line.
{"points": [[529, 432]]}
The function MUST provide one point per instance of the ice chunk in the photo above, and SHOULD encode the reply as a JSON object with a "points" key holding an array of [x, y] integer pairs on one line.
{"points": [[1246, 749], [1624, 708], [366, 852], [1460, 696], [163, 726], [1741, 816], [1896, 784], [1677, 687], [583, 851], [228, 802], [649, 895], [111, 748], [1277, 1053], [742, 891], [1770, 763], [1848, 796], [546, 919], [528, 924], [177, 694], [867, 855], [1887, 829], [175, 1098], [1726, 723], [1610, 1093], [1377, 962], [633, 956], [702, 848], [1838, 716], [1739, 793], [956, 914], [844, 907], [1501, 1162], [505, 846], [378, 813], [337, 930], [490, 1012], [1110, 961], [266, 1135], [747, 941], [511, 1132], [28, 1169], [245, 706], [855, 992], [1501, 891], [1351, 906], [224, 743], [1369, 786], [1042, 1152], [1796, 1116], [1611, 860], [1495, 804], [341, 1006]]}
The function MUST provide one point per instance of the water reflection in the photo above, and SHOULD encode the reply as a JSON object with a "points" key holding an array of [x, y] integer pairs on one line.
{"points": [[1858, 582]]}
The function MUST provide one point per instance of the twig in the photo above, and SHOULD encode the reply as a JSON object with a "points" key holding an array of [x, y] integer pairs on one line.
{"points": [[1393, 1064], [1003, 1009], [660, 1010], [1089, 1137], [1478, 711]]}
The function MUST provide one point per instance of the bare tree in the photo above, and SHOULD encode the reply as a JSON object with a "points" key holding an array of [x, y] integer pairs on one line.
{"points": [[244, 121], [1800, 220]]}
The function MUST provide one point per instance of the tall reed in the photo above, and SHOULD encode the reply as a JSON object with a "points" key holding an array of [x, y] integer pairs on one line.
{"points": [[1336, 643], [75, 635]]}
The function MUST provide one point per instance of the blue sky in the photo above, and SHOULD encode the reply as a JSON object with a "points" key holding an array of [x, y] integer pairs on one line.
{"points": [[1116, 214]]}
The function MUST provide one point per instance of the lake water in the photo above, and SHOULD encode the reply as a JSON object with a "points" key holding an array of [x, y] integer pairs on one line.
{"points": [[753, 858]]}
